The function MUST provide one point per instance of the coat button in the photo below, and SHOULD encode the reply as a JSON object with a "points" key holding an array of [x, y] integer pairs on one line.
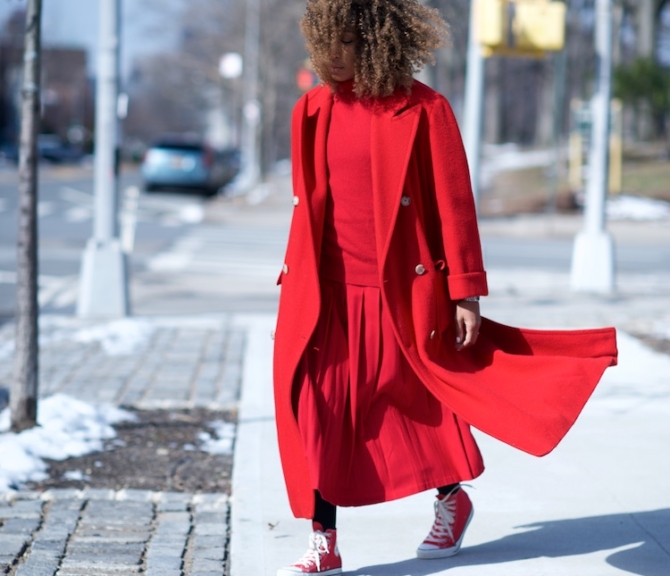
{"points": [[405, 200], [272, 334], [296, 200], [420, 269], [433, 334], [285, 268]]}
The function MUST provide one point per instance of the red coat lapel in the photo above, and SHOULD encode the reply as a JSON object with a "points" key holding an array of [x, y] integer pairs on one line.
{"points": [[393, 134], [314, 135]]}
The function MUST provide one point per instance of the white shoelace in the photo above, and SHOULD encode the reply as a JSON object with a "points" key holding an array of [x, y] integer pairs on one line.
{"points": [[445, 517], [318, 546]]}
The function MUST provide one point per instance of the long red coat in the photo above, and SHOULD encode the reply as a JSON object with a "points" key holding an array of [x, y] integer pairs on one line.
{"points": [[524, 387]]}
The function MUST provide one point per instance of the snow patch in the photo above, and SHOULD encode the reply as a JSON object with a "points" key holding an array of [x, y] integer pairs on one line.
{"points": [[6, 349], [223, 443], [76, 476], [637, 208], [191, 214], [497, 158], [67, 428], [118, 338], [662, 329]]}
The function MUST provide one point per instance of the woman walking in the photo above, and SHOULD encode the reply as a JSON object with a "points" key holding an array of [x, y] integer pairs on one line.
{"points": [[382, 361]]}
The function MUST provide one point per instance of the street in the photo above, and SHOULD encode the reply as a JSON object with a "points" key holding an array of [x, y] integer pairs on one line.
{"points": [[194, 256], [178, 263]]}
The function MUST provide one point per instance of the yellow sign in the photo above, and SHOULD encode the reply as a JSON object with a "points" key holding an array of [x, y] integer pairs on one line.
{"points": [[580, 145], [520, 27]]}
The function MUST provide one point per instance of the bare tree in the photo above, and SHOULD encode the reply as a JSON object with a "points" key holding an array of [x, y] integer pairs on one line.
{"points": [[176, 88], [24, 391]]}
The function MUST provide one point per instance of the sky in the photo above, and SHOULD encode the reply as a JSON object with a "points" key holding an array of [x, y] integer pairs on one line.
{"points": [[75, 23]]}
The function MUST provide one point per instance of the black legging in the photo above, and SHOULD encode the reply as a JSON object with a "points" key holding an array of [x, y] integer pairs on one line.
{"points": [[325, 513]]}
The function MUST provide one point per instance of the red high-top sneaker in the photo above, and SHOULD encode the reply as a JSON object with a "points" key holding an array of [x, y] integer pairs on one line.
{"points": [[453, 513], [322, 556]]}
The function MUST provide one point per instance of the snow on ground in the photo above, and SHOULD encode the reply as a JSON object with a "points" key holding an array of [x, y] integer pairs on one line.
{"points": [[661, 328], [626, 207], [223, 443], [117, 338], [191, 214], [67, 428], [6, 349], [498, 158]]}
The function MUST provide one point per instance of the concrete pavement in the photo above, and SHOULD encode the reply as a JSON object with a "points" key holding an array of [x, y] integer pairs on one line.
{"points": [[598, 505]]}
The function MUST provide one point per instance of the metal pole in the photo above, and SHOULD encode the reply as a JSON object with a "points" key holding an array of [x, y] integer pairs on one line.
{"points": [[103, 290], [23, 397], [593, 255], [251, 118], [559, 80], [474, 99]]}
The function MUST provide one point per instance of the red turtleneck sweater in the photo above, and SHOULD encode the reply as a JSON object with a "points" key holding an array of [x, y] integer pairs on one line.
{"points": [[348, 252]]}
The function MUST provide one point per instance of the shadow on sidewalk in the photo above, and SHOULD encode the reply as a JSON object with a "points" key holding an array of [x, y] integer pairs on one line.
{"points": [[639, 531]]}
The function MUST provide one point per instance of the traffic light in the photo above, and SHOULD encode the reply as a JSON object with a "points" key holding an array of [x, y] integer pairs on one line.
{"points": [[520, 27]]}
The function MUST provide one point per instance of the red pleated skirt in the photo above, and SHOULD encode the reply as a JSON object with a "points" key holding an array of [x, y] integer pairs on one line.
{"points": [[371, 430]]}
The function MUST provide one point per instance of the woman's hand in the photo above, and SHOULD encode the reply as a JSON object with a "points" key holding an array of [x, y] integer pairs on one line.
{"points": [[468, 321]]}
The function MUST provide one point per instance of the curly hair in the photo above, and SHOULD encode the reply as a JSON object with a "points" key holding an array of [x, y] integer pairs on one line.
{"points": [[394, 40]]}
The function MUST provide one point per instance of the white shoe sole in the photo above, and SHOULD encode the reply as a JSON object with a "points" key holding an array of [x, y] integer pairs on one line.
{"points": [[291, 572], [443, 552]]}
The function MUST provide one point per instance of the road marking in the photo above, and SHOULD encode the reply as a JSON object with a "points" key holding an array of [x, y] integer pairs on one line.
{"points": [[68, 296], [78, 214], [83, 204], [54, 291], [75, 196], [45, 209], [230, 251]]}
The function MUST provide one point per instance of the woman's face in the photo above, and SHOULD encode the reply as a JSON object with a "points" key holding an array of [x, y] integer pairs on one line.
{"points": [[343, 58]]}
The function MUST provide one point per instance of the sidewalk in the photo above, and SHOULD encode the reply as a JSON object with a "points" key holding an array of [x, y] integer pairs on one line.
{"points": [[165, 363], [599, 505]]}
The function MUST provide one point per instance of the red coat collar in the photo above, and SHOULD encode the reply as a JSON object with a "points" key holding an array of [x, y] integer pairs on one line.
{"points": [[393, 131], [322, 97]]}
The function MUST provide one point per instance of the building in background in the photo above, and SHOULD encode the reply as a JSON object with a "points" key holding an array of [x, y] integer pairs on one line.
{"points": [[67, 94]]}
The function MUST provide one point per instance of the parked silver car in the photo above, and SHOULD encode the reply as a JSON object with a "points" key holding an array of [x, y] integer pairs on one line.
{"points": [[189, 165]]}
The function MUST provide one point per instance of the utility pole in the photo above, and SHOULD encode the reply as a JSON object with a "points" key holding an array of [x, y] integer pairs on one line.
{"points": [[474, 99], [593, 254], [251, 116], [103, 290], [23, 397]]}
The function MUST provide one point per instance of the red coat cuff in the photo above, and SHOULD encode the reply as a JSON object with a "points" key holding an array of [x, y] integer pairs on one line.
{"points": [[466, 285]]}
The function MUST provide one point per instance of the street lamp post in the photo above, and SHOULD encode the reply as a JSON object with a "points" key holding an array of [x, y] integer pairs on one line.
{"points": [[231, 67], [251, 111], [593, 254], [104, 283], [474, 98]]}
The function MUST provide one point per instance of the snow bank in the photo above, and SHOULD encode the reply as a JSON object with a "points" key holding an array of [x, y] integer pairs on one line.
{"points": [[118, 338], [637, 208], [191, 214], [223, 443], [662, 329], [6, 350], [68, 428]]}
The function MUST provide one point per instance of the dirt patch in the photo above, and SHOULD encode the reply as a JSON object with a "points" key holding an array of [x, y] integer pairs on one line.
{"points": [[524, 191], [159, 451], [659, 344]]}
